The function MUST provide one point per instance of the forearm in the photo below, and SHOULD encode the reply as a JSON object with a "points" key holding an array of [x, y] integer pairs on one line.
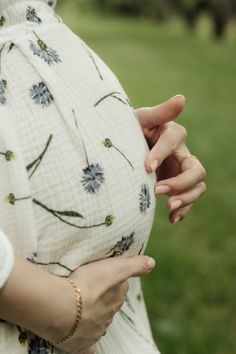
{"points": [[38, 301]]}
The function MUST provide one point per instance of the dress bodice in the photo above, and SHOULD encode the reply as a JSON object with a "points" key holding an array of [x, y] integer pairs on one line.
{"points": [[18, 17], [4, 4]]}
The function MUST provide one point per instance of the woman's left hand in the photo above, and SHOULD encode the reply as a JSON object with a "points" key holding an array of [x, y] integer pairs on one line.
{"points": [[180, 175]]}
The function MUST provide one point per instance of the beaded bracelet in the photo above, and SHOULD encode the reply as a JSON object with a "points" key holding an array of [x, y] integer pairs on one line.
{"points": [[78, 314]]}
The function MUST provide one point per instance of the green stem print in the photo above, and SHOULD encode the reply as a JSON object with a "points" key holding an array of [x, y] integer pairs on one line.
{"points": [[9, 155], [113, 95], [10, 198], [108, 144], [33, 260], [128, 303], [3, 82], [35, 164], [11, 46], [93, 175], [58, 214], [140, 251], [2, 47], [132, 325], [93, 60]]}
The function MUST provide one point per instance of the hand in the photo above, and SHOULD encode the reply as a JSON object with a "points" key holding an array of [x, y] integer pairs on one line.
{"points": [[103, 286], [179, 174], [44, 303]]}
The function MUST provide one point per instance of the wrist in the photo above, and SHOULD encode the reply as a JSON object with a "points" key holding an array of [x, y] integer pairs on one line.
{"points": [[63, 313], [38, 301]]}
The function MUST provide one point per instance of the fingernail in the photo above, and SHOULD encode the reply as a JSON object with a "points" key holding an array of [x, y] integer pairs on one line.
{"points": [[175, 204], [154, 165], [178, 96], [177, 219], [151, 262], [162, 190]]}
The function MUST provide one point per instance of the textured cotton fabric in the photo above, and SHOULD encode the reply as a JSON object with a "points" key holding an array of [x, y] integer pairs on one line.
{"points": [[6, 258], [74, 188]]}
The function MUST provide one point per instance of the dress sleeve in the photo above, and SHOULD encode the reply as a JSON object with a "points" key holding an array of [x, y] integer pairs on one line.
{"points": [[6, 258]]}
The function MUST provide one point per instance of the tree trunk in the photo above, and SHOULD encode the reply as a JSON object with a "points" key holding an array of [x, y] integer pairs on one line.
{"points": [[220, 18]]}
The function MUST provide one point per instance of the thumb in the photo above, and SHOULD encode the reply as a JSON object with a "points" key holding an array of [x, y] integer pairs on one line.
{"points": [[122, 268], [161, 114], [110, 272]]}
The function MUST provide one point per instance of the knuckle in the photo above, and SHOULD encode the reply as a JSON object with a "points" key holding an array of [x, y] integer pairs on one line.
{"points": [[119, 304], [201, 176], [182, 132], [187, 209], [203, 173], [108, 322], [171, 135], [178, 188], [125, 288]]}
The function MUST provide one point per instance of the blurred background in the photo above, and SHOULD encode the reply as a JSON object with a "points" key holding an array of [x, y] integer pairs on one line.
{"points": [[159, 48]]}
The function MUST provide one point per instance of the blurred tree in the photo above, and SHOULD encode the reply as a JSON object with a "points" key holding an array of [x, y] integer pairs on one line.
{"points": [[220, 11], [151, 8]]}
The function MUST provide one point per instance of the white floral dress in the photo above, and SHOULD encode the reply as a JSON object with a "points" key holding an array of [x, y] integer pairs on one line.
{"points": [[73, 184]]}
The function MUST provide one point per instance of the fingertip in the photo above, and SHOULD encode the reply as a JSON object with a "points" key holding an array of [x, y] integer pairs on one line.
{"points": [[151, 263], [179, 102], [141, 265], [151, 164], [148, 166], [154, 164], [180, 96]]}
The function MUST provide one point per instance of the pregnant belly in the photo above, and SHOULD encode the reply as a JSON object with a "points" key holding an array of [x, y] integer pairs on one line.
{"points": [[84, 151]]}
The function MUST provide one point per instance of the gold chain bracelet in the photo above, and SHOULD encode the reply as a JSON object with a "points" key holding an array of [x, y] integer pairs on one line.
{"points": [[78, 314]]}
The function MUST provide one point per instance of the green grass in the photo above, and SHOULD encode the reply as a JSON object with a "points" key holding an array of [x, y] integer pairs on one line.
{"points": [[192, 292]]}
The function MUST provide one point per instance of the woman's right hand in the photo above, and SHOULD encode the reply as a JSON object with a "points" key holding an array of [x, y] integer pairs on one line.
{"points": [[45, 303], [103, 286]]}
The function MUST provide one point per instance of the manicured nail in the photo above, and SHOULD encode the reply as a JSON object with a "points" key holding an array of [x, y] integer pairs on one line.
{"points": [[154, 165], [162, 190], [175, 204], [178, 96], [151, 262], [177, 219]]}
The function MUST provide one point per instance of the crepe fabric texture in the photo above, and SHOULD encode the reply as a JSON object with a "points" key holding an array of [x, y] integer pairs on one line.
{"points": [[73, 188]]}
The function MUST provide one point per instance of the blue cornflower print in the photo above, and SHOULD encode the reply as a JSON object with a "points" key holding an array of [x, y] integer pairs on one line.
{"points": [[144, 198], [31, 15], [3, 85], [41, 94], [38, 345], [93, 177], [49, 55], [123, 245]]}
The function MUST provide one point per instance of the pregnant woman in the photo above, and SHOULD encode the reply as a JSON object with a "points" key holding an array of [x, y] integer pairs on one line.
{"points": [[74, 190]]}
